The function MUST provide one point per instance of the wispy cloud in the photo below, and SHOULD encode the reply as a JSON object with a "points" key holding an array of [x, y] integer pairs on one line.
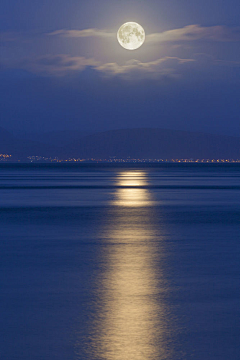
{"points": [[57, 65], [187, 33], [164, 67], [196, 32], [62, 65], [82, 33]]}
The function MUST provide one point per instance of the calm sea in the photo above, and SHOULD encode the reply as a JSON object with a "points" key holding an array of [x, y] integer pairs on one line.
{"points": [[120, 263]]}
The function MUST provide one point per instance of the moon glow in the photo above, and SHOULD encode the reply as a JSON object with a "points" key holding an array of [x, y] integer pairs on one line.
{"points": [[131, 36]]}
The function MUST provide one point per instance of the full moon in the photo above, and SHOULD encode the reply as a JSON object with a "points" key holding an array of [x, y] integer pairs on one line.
{"points": [[131, 36]]}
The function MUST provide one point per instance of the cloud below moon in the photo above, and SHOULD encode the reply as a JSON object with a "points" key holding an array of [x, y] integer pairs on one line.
{"points": [[164, 67], [171, 68], [58, 65]]}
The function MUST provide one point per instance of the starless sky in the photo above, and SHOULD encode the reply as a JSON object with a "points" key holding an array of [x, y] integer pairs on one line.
{"points": [[62, 67]]}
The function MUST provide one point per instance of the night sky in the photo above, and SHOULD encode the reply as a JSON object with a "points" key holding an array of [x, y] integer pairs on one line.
{"points": [[62, 67]]}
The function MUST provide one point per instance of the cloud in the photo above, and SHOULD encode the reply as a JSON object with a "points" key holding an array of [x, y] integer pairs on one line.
{"points": [[82, 33], [164, 67], [187, 33], [63, 64], [57, 65], [196, 32]]}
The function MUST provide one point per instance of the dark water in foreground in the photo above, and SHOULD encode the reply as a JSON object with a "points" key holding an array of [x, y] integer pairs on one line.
{"points": [[120, 264]]}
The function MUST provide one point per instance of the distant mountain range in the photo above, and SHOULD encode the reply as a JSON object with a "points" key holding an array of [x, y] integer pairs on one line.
{"points": [[56, 138], [143, 143], [22, 148], [156, 143]]}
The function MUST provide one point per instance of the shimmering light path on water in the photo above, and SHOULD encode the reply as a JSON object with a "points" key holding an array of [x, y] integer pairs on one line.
{"points": [[120, 263], [131, 321]]}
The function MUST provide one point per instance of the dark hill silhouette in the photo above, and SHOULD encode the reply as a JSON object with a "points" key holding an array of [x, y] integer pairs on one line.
{"points": [[144, 143], [21, 149], [56, 138], [155, 143]]}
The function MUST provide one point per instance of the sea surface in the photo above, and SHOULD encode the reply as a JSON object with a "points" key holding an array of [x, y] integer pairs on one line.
{"points": [[120, 263]]}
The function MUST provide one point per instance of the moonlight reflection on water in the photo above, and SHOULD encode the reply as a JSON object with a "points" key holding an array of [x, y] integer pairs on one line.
{"points": [[130, 322]]}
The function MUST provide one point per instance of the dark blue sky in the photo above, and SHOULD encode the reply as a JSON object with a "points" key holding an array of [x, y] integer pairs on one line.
{"points": [[62, 68]]}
